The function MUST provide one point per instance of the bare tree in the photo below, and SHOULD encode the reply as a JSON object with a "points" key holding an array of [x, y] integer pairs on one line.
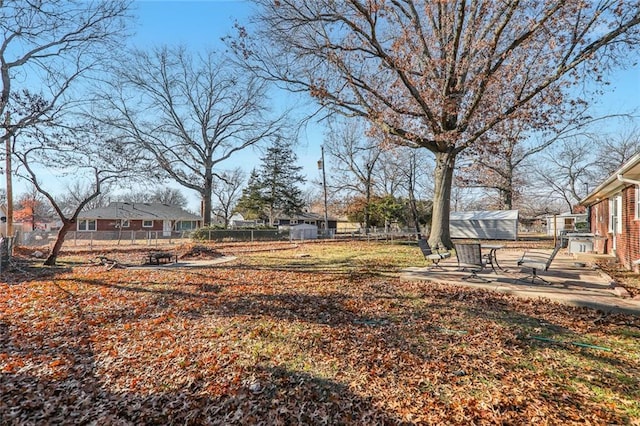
{"points": [[410, 170], [160, 194], [564, 170], [440, 75], [78, 191], [500, 166], [86, 153], [45, 48], [56, 40], [390, 176], [171, 196], [226, 192], [615, 150], [353, 156], [569, 171], [189, 113]]}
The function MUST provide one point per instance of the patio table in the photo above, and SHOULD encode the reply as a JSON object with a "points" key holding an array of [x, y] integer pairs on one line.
{"points": [[492, 259]]}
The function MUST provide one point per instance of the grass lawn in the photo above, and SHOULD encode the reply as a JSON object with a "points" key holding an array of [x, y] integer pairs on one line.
{"points": [[316, 333]]}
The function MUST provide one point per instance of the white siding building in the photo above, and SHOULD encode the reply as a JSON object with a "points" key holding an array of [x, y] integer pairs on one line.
{"points": [[485, 225]]}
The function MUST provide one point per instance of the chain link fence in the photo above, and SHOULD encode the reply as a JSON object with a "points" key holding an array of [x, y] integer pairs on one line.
{"points": [[92, 238]]}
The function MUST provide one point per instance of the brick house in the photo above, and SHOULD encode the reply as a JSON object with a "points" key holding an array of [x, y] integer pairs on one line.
{"points": [[306, 218], [613, 210], [158, 217]]}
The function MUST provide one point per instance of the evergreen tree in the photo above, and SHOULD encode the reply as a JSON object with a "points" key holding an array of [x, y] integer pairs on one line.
{"points": [[273, 189], [280, 175], [252, 204]]}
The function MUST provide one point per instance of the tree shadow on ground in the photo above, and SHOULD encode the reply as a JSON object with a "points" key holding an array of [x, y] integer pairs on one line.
{"points": [[454, 340], [20, 271], [74, 393]]}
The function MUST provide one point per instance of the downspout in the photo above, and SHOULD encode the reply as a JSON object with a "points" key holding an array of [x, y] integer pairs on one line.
{"points": [[637, 183], [627, 180]]}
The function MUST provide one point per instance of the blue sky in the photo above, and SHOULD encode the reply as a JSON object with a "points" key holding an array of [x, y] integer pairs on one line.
{"points": [[200, 24]]}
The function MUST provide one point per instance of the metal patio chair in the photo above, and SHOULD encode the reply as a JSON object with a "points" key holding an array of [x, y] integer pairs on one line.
{"points": [[435, 256], [470, 259], [537, 261]]}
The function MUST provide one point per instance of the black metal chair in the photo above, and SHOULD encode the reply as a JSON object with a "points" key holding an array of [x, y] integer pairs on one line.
{"points": [[537, 261], [470, 258], [435, 256]]}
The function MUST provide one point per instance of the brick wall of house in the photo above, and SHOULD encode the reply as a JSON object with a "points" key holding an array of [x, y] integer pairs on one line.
{"points": [[631, 230], [622, 241], [628, 242]]}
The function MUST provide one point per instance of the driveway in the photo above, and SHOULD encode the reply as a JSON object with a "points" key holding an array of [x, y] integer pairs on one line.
{"points": [[569, 282]]}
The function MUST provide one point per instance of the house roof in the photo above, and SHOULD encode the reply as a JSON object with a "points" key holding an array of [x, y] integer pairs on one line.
{"points": [[304, 226], [485, 214], [309, 216], [628, 173], [566, 214], [139, 211]]}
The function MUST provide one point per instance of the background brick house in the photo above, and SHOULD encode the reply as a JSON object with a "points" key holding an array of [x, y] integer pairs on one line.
{"points": [[159, 217], [614, 214]]}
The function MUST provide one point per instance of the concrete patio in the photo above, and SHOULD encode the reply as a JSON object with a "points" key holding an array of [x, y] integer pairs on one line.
{"points": [[570, 282]]}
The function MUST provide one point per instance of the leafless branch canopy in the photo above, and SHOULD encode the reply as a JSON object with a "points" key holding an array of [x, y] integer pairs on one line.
{"points": [[440, 74], [45, 46], [188, 113]]}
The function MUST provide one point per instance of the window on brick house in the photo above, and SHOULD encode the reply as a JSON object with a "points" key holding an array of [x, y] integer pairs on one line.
{"points": [[637, 202], [86, 225], [615, 214]]}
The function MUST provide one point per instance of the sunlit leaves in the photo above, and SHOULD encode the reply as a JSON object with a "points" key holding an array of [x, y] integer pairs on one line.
{"points": [[332, 337]]}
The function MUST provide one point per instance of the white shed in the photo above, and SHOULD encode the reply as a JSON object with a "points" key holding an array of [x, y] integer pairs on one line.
{"points": [[564, 222], [485, 225], [304, 231]]}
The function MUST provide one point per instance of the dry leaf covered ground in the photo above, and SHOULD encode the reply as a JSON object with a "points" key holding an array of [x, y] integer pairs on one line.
{"points": [[320, 333]]}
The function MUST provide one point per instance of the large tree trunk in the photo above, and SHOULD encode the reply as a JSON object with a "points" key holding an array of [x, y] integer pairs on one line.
{"points": [[67, 225], [414, 212], [506, 199], [367, 209], [206, 200], [206, 209], [439, 235], [507, 193], [412, 196]]}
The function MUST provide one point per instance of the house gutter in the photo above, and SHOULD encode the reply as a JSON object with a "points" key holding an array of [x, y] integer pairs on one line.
{"points": [[593, 197], [627, 180]]}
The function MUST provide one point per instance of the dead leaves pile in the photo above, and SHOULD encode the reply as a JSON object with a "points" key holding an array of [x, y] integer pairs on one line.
{"points": [[198, 251], [237, 344]]}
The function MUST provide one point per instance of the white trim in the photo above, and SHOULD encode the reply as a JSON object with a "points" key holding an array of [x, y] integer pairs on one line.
{"points": [[615, 215], [637, 202], [145, 221], [619, 228]]}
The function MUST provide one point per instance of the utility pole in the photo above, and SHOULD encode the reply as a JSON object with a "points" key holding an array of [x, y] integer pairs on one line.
{"points": [[324, 187], [8, 171]]}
